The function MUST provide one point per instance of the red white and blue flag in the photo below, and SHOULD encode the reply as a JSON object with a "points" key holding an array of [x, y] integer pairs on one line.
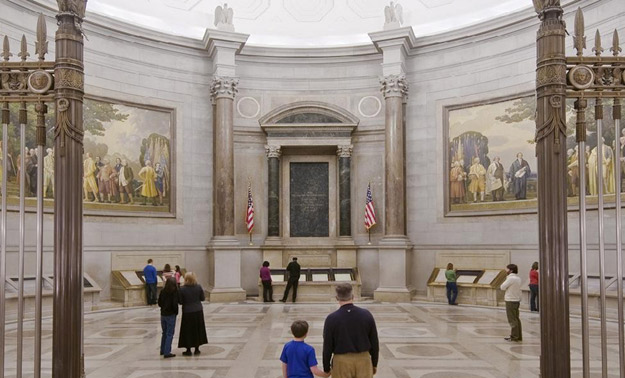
{"points": [[249, 217], [369, 210]]}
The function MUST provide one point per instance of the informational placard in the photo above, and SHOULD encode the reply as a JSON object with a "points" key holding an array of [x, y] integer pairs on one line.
{"points": [[488, 277], [131, 277], [342, 277], [465, 279], [320, 277], [441, 276], [277, 277]]}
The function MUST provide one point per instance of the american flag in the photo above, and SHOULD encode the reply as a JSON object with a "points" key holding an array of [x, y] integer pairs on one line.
{"points": [[249, 216], [369, 210]]}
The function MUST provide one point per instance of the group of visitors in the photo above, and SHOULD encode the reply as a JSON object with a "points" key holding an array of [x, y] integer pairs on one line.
{"points": [[293, 271], [512, 297], [350, 343], [190, 296]]}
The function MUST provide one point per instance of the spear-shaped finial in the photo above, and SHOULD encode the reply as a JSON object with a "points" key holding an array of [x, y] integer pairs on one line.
{"points": [[615, 44], [23, 49], [6, 49], [41, 45], [597, 49], [579, 39]]}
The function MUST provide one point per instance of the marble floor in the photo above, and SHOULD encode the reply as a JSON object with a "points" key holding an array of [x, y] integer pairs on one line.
{"points": [[418, 340]]}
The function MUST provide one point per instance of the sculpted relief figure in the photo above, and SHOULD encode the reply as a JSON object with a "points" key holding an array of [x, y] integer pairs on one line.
{"points": [[223, 18], [393, 16], [74, 6]]}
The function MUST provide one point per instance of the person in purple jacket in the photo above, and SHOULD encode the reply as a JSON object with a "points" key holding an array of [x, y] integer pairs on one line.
{"points": [[265, 278], [149, 274]]}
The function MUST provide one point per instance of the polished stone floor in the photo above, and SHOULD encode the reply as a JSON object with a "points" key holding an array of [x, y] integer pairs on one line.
{"points": [[245, 339]]}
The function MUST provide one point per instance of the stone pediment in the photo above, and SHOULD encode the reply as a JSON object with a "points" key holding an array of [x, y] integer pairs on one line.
{"points": [[309, 123]]}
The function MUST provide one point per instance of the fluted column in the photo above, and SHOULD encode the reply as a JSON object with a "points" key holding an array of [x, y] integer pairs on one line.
{"points": [[68, 167], [273, 192], [345, 204], [223, 91], [552, 191], [394, 88]]}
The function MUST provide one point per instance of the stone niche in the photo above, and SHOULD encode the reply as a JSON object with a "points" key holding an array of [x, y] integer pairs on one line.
{"points": [[309, 140]]}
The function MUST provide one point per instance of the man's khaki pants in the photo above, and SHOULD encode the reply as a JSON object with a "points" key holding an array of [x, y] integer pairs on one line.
{"points": [[352, 365]]}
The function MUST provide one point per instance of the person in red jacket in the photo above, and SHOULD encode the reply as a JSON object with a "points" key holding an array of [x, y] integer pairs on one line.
{"points": [[534, 287]]}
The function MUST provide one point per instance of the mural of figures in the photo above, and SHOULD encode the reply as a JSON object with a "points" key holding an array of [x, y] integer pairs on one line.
{"points": [[483, 153], [128, 161], [492, 163]]}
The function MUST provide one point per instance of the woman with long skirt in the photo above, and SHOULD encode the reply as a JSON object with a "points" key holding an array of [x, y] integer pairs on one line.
{"points": [[192, 328]]}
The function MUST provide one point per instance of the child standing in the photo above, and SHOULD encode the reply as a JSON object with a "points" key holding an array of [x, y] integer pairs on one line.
{"points": [[168, 302], [298, 358]]}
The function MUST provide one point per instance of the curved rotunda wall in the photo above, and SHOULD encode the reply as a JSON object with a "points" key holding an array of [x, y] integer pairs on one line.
{"points": [[477, 65]]}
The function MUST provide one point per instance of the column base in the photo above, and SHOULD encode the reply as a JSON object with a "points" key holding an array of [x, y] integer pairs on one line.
{"points": [[394, 295], [394, 253], [221, 295], [225, 270]]}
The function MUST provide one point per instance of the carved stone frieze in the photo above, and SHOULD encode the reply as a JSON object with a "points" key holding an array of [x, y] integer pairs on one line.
{"points": [[39, 82], [224, 87], [394, 86], [581, 77], [14, 81], [345, 151], [552, 74], [273, 151], [69, 78]]}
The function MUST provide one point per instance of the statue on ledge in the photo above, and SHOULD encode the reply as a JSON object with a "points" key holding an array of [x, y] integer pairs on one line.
{"points": [[393, 16], [223, 18]]}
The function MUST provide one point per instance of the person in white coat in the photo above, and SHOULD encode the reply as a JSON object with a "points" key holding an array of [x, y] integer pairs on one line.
{"points": [[512, 287]]}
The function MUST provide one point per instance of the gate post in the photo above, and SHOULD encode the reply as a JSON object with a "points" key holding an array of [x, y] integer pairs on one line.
{"points": [[552, 190]]}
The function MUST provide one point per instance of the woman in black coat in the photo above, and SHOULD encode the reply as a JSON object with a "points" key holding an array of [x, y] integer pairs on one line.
{"points": [[192, 328], [168, 302]]}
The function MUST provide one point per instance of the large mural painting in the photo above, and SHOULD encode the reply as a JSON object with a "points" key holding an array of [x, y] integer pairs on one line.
{"points": [[491, 164], [127, 163]]}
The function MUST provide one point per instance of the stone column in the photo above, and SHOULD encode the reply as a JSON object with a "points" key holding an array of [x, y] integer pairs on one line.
{"points": [[223, 90], [225, 251], [68, 168], [273, 192], [345, 204], [394, 88], [552, 191], [394, 248]]}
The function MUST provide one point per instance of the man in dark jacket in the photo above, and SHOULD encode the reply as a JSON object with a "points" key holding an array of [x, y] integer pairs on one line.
{"points": [[350, 339], [294, 272]]}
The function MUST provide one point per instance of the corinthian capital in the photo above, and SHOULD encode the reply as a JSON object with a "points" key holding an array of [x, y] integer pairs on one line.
{"points": [[394, 86], [273, 151], [345, 151], [224, 87]]}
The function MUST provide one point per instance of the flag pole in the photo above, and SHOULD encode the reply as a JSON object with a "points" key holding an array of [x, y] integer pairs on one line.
{"points": [[250, 233], [249, 185], [369, 233]]}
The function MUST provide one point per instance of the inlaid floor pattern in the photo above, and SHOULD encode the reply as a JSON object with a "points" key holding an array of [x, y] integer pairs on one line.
{"points": [[245, 340]]}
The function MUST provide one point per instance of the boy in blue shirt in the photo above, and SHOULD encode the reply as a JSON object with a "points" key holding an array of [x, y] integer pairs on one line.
{"points": [[298, 358]]}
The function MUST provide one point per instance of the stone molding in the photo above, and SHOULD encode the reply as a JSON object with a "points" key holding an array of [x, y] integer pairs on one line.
{"points": [[273, 151], [224, 87], [345, 151], [394, 86]]}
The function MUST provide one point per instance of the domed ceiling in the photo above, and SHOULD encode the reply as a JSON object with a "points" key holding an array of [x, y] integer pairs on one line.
{"points": [[304, 23]]}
